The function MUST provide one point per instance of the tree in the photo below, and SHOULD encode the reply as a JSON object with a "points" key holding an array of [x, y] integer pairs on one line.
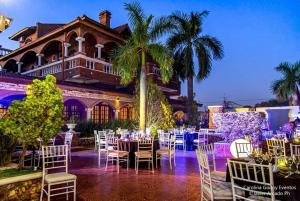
{"points": [[131, 58], [272, 103], [159, 111], [187, 41], [39, 115], [287, 87]]}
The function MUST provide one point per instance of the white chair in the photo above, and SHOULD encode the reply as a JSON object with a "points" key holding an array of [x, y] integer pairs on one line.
{"points": [[295, 150], [248, 173], [211, 190], [97, 140], [243, 149], [210, 151], [58, 183], [51, 142], [276, 145], [167, 150], [202, 138], [116, 152], [144, 153], [68, 141], [180, 141]]}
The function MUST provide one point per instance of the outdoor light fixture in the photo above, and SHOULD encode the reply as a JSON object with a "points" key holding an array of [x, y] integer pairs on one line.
{"points": [[4, 22]]}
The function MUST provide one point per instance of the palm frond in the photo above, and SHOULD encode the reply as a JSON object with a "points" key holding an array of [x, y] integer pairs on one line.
{"points": [[279, 89], [283, 68], [204, 61], [160, 26], [164, 59], [177, 41], [127, 60], [212, 44], [135, 13]]}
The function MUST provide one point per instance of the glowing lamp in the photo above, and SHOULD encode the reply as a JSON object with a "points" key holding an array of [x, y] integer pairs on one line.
{"points": [[4, 22], [281, 162], [233, 148]]}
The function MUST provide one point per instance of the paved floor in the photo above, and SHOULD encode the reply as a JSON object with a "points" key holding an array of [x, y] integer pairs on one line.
{"points": [[96, 184]]}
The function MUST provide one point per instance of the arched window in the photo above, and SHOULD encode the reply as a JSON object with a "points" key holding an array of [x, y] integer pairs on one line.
{"points": [[126, 113], [101, 113], [73, 108]]}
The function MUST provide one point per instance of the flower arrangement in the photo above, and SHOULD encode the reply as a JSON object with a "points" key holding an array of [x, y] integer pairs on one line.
{"points": [[236, 125]]}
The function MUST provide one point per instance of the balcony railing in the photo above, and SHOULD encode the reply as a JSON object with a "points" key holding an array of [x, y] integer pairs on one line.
{"points": [[72, 63]]}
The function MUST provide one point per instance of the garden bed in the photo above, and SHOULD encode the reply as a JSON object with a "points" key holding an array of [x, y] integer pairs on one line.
{"points": [[20, 185]]}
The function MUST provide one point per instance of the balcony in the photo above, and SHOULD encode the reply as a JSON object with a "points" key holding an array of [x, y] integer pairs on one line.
{"points": [[78, 68], [83, 69]]}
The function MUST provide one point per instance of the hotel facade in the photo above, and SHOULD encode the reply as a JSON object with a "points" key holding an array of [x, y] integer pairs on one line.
{"points": [[79, 55]]}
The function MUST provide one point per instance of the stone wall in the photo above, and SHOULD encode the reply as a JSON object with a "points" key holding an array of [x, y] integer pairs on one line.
{"points": [[28, 190]]}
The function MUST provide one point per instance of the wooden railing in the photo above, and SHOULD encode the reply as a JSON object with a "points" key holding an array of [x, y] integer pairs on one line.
{"points": [[71, 63]]}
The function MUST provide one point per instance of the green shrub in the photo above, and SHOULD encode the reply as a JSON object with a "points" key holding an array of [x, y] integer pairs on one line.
{"points": [[7, 146], [86, 129]]}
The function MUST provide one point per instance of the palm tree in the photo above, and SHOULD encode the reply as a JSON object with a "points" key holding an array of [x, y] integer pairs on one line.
{"points": [[131, 58], [287, 87], [187, 41]]}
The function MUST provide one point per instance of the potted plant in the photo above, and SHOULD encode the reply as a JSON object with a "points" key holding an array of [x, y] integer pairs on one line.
{"points": [[71, 124]]}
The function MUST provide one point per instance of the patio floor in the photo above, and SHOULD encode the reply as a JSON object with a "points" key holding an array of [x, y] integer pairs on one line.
{"points": [[96, 184]]}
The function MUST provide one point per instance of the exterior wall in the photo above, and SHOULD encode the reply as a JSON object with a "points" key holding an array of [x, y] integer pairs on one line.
{"points": [[211, 111], [278, 116]]}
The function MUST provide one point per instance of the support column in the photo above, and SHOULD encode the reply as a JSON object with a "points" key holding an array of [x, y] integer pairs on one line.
{"points": [[66, 49], [19, 66], [117, 113], [80, 40], [39, 55], [88, 113], [99, 47]]}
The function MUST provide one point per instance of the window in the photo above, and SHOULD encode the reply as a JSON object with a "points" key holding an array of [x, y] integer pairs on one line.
{"points": [[126, 113], [75, 109], [101, 113]]}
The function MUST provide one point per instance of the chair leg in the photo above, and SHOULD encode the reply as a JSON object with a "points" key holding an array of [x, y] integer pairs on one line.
{"points": [[174, 160], [49, 192], [152, 163], [156, 161], [42, 191], [127, 162], [106, 162], [118, 165], [170, 161], [67, 191], [74, 198]]}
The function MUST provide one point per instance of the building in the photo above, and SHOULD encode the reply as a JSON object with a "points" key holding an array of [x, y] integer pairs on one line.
{"points": [[79, 55]]}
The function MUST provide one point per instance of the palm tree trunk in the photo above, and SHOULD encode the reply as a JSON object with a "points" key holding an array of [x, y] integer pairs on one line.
{"points": [[190, 94], [143, 91]]}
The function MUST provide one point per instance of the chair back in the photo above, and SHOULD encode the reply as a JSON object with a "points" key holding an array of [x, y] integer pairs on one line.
{"points": [[145, 144], [253, 175], [295, 149], [202, 136], [209, 149], [205, 176], [112, 143], [276, 146], [243, 149], [55, 157]]}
